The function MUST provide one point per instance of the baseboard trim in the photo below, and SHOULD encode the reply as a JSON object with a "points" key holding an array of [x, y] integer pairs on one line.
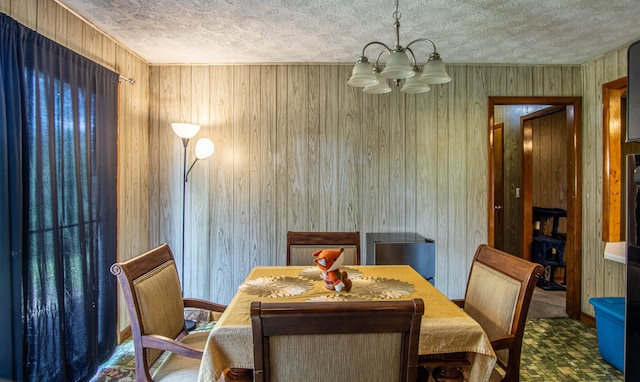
{"points": [[124, 335], [587, 319]]}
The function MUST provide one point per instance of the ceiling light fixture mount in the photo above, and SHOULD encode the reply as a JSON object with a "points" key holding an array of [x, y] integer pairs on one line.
{"points": [[398, 67]]}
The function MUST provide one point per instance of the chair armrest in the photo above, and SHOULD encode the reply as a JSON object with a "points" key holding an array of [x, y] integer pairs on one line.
{"points": [[503, 342], [203, 304], [459, 302], [155, 341]]}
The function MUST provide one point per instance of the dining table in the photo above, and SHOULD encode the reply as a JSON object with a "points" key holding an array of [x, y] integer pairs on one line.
{"points": [[444, 329]]}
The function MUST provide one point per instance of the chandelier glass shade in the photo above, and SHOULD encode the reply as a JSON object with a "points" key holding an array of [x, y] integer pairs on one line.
{"points": [[415, 84], [399, 67], [381, 87]]}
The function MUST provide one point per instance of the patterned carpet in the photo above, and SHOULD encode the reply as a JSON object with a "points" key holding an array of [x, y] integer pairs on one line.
{"points": [[554, 349], [562, 349]]}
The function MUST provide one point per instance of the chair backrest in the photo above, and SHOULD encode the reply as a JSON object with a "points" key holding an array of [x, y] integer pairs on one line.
{"points": [[349, 341], [152, 292], [498, 295], [302, 245]]}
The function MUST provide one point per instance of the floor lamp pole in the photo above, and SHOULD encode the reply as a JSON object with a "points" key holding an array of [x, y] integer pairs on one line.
{"points": [[189, 324], [185, 143]]}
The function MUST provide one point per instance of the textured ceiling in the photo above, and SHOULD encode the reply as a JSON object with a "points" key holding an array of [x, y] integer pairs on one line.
{"points": [[335, 31]]}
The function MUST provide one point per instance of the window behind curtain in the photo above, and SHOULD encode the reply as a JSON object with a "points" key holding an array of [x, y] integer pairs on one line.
{"points": [[70, 219]]}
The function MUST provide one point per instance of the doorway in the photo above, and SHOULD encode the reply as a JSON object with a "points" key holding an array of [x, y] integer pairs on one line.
{"points": [[523, 229]]}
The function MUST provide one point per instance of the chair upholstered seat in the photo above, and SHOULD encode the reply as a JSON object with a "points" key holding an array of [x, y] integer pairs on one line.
{"points": [[180, 368]]}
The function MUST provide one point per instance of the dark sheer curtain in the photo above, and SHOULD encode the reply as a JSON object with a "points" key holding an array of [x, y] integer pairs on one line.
{"points": [[65, 170], [12, 127]]}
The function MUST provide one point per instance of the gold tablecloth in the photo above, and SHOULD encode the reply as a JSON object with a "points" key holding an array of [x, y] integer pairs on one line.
{"points": [[444, 329]]}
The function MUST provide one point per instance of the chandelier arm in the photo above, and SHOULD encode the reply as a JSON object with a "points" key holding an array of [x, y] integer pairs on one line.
{"points": [[375, 43], [423, 39], [413, 56], [380, 55]]}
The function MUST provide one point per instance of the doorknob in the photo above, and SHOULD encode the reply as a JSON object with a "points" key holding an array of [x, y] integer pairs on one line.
{"points": [[497, 207]]}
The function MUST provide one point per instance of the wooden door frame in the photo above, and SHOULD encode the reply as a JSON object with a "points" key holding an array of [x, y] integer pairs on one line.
{"points": [[573, 250]]}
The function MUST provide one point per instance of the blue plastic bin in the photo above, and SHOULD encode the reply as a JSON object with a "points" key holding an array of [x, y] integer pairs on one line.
{"points": [[610, 328]]}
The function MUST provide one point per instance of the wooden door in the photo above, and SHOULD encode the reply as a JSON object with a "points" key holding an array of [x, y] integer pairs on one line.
{"points": [[497, 155], [526, 199]]}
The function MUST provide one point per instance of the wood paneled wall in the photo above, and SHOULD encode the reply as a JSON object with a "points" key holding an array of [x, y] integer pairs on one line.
{"points": [[600, 277], [57, 23], [549, 161], [298, 149]]}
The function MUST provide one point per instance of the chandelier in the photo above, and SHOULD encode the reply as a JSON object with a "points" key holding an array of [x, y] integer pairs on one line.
{"points": [[398, 67]]}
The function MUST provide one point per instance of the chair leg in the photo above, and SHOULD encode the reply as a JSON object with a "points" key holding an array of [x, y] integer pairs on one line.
{"points": [[446, 374], [238, 375], [423, 374]]}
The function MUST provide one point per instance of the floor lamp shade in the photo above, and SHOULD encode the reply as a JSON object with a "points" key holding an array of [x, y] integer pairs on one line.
{"points": [[204, 148], [185, 130]]}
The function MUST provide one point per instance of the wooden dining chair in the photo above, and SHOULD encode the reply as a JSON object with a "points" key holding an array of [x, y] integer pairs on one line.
{"points": [[347, 341], [154, 300], [302, 245], [498, 296]]}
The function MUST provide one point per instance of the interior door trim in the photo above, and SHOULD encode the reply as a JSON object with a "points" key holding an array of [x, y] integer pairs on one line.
{"points": [[573, 250]]}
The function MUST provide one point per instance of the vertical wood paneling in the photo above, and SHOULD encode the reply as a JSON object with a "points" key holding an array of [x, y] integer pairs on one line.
{"points": [[427, 164], [197, 187], [397, 177], [221, 185], [600, 277], [164, 219], [314, 148], [255, 169], [410, 162], [241, 174], [327, 142], [549, 164], [590, 248], [5, 5], [552, 80], [456, 253], [282, 184], [91, 43], [46, 16], [477, 165], [25, 12], [370, 167], [384, 155], [348, 155], [62, 15], [443, 141], [297, 151], [267, 248], [74, 30]]}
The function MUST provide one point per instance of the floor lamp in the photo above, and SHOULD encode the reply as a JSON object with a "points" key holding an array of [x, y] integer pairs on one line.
{"points": [[204, 149]]}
